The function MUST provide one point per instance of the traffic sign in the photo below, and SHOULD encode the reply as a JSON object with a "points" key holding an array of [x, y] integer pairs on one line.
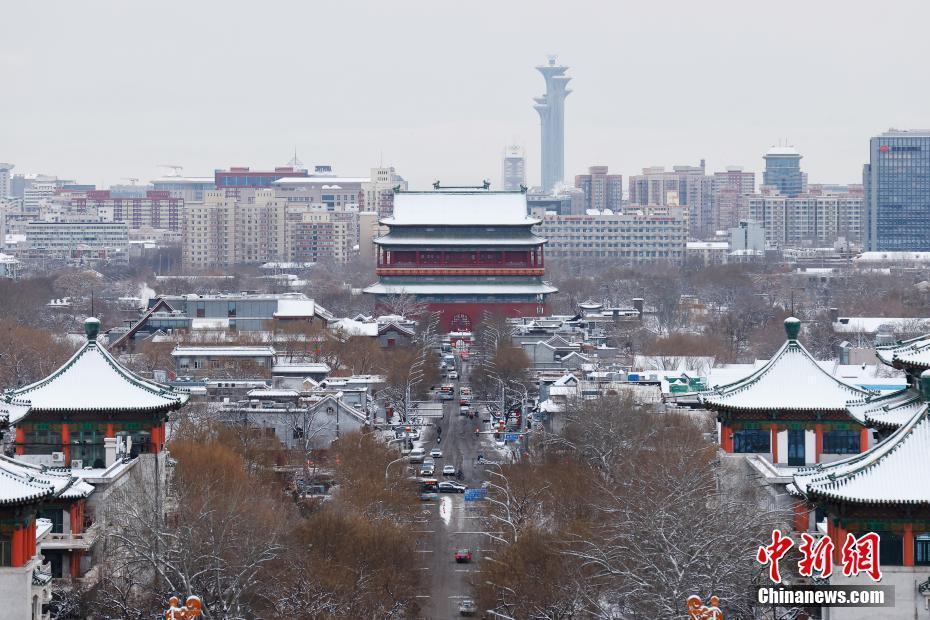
{"points": [[474, 495], [511, 437]]}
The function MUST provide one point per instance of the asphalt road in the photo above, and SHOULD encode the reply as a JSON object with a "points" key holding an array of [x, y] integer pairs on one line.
{"points": [[447, 523]]}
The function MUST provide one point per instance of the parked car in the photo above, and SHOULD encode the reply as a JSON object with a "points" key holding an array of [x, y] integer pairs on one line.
{"points": [[463, 556], [448, 470], [436, 453], [447, 486], [468, 608]]}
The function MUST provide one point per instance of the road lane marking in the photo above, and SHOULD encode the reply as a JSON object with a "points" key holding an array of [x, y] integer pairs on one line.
{"points": [[424, 550]]}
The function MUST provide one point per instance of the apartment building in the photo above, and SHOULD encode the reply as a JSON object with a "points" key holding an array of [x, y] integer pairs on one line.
{"points": [[808, 220], [729, 190], [636, 234], [89, 240], [378, 192], [155, 209], [601, 190], [224, 229], [323, 236], [683, 186]]}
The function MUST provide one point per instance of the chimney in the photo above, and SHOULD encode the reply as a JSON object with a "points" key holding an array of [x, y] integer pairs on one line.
{"points": [[834, 315], [638, 304]]}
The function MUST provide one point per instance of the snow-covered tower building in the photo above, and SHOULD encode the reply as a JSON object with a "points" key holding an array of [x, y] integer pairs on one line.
{"points": [[461, 251], [886, 491], [790, 411], [66, 419], [551, 108]]}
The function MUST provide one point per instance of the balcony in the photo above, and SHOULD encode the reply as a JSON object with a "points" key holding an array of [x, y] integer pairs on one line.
{"points": [[70, 542]]}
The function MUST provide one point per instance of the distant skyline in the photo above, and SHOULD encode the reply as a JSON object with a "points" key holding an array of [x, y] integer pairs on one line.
{"points": [[106, 91]]}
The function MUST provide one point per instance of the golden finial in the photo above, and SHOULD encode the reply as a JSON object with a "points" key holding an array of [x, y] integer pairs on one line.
{"points": [[699, 611], [192, 608]]}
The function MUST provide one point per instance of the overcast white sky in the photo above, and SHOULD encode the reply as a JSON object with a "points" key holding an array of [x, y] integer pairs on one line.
{"points": [[109, 89]]}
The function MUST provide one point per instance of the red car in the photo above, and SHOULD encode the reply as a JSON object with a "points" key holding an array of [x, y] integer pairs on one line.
{"points": [[463, 556]]}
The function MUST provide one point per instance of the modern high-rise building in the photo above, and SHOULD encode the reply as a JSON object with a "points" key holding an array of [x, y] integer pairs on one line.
{"points": [[234, 226], [684, 186], [729, 189], [808, 220], [601, 190], [897, 191], [513, 172], [5, 178], [783, 170], [551, 108], [379, 190]]}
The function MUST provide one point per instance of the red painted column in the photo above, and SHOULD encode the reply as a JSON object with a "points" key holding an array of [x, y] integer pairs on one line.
{"points": [[818, 442], [75, 518], [801, 516], [726, 438], [157, 438], [908, 542], [19, 546], [863, 440], [774, 442], [110, 432], [20, 440], [66, 443], [32, 539], [839, 537]]}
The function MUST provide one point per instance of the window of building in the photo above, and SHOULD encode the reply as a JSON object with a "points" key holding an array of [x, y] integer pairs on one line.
{"points": [[751, 441], [890, 549], [921, 549], [56, 516], [841, 442]]}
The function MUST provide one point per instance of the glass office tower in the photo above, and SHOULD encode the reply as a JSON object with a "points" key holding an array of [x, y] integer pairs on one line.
{"points": [[897, 192]]}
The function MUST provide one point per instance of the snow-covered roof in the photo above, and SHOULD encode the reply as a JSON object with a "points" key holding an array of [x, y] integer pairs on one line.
{"points": [[896, 471], [491, 240], [92, 380], [295, 308], [871, 324], [889, 410], [461, 289], [221, 351], [299, 368], [913, 353], [22, 482], [351, 327], [272, 393], [791, 381], [460, 208]]}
